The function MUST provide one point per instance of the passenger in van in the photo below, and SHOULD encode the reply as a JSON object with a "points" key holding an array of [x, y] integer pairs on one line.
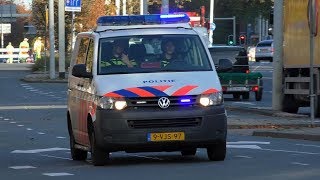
{"points": [[119, 58], [169, 52]]}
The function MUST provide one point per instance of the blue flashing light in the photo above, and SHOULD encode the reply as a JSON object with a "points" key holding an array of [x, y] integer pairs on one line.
{"points": [[185, 100], [142, 19], [165, 16]]}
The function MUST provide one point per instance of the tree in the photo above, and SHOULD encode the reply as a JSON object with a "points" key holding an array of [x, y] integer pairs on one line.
{"points": [[17, 27]]}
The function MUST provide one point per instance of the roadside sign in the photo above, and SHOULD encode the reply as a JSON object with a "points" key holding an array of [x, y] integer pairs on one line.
{"points": [[5, 28], [212, 26], [73, 5]]}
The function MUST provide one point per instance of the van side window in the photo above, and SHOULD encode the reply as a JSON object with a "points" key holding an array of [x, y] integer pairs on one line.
{"points": [[90, 54], [81, 59]]}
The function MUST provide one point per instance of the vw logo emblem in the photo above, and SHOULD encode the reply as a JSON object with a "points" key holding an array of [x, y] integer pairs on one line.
{"points": [[164, 102]]}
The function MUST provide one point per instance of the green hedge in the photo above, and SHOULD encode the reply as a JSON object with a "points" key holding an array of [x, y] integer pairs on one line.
{"points": [[39, 64]]}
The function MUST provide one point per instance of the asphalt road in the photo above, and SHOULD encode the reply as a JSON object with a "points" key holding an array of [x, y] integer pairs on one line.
{"points": [[34, 145]]}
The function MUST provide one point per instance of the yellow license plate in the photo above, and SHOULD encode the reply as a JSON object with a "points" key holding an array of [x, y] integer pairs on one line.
{"points": [[169, 136]]}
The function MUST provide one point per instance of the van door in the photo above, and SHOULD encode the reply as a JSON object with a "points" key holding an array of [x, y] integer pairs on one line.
{"points": [[87, 96], [75, 89]]}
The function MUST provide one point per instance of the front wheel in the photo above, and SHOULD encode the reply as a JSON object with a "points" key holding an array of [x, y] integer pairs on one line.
{"points": [[217, 152], [99, 157]]}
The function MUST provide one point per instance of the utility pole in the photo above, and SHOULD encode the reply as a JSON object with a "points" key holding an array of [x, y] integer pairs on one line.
{"points": [[124, 7], [277, 94], [165, 7], [211, 21], [62, 48], [143, 7], [51, 39], [118, 7]]}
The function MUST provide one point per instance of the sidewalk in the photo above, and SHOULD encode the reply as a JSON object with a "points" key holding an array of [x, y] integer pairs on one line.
{"points": [[243, 120]]}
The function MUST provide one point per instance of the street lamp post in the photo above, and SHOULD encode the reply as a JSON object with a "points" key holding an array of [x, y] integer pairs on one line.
{"points": [[211, 20]]}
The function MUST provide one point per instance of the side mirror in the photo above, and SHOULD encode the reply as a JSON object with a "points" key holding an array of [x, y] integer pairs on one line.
{"points": [[225, 65], [80, 70]]}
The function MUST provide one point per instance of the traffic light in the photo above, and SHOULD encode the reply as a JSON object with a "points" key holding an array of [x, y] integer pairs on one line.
{"points": [[242, 39], [230, 40]]}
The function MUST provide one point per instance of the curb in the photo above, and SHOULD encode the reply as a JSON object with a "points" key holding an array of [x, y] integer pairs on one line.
{"points": [[287, 135], [265, 112], [43, 80]]}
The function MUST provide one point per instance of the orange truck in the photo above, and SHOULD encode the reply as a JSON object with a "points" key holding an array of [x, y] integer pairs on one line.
{"points": [[296, 58]]}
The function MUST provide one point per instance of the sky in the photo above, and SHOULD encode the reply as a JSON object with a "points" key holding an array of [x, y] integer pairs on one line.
{"points": [[26, 2]]}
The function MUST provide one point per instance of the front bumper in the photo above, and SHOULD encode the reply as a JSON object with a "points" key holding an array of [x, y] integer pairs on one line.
{"points": [[114, 133]]}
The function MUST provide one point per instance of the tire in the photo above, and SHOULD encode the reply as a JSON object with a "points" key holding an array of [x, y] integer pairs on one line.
{"points": [[77, 154], [289, 105], [258, 94], [189, 152], [217, 152], [98, 156], [246, 95], [236, 96]]}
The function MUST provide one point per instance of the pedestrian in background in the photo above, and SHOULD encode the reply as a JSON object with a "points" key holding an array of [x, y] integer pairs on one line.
{"points": [[24, 49], [37, 47], [10, 50]]}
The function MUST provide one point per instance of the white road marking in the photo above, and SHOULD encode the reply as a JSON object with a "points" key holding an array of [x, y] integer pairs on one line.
{"points": [[29, 129], [147, 157], [243, 146], [308, 145], [41, 133], [248, 142], [20, 125], [33, 107], [56, 157], [256, 68], [1, 117], [246, 103], [51, 95], [23, 84], [60, 137], [247, 157], [34, 90], [57, 174], [33, 151], [22, 167], [6, 119], [302, 164], [29, 88], [297, 152], [12, 122]]}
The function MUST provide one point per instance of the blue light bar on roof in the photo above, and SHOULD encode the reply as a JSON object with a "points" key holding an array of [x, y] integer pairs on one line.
{"points": [[142, 19]]}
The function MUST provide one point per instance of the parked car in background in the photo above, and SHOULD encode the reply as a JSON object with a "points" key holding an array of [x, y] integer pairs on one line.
{"points": [[264, 51]]}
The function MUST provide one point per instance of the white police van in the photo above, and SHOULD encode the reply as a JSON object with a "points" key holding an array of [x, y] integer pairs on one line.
{"points": [[144, 83]]}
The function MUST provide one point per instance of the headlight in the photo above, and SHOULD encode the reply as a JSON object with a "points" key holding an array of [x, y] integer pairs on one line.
{"points": [[211, 99], [112, 103]]}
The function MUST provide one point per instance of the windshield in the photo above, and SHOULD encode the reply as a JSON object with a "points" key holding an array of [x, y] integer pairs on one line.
{"points": [[152, 53]]}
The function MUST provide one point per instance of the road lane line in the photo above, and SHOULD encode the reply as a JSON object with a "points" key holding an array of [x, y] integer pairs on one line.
{"points": [[57, 174], [6, 119], [34, 151], [12, 122], [22, 167], [20, 125], [29, 129], [247, 157], [248, 142], [302, 164], [297, 152], [41, 133], [56, 157], [308, 145], [60, 137], [244, 146], [32, 107], [147, 157]]}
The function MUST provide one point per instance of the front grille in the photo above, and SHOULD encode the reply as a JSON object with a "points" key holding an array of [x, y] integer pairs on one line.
{"points": [[153, 101], [164, 123]]}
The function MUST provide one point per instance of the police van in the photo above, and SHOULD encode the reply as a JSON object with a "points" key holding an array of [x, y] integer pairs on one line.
{"points": [[144, 83]]}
